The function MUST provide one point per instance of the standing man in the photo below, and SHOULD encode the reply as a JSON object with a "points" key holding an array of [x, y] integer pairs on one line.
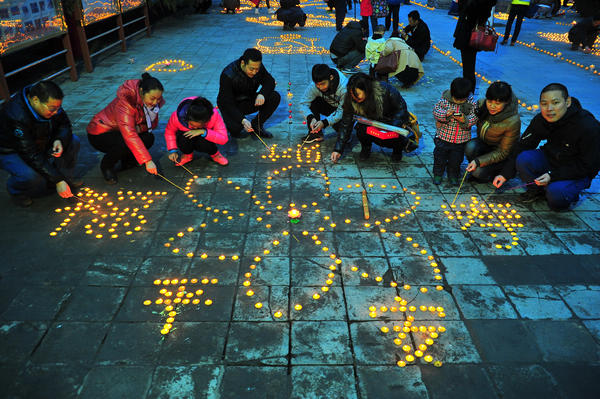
{"points": [[324, 98], [246, 87], [416, 34], [37, 146], [567, 162], [340, 12]]}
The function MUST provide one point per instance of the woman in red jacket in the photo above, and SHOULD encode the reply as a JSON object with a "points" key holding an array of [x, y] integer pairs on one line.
{"points": [[123, 130], [195, 126]]}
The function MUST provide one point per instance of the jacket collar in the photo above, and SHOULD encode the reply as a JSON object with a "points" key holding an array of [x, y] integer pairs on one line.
{"points": [[26, 101]]}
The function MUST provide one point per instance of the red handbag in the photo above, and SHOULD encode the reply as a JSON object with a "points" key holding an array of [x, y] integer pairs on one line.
{"points": [[483, 38]]}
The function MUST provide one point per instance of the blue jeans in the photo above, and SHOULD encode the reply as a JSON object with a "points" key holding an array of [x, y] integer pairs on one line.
{"points": [[475, 148], [26, 181], [559, 194]]}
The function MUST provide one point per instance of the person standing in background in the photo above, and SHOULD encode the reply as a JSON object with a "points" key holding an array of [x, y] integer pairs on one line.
{"points": [[518, 8]]}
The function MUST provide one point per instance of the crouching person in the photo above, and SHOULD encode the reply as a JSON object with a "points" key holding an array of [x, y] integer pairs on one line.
{"points": [[291, 14], [195, 126]]}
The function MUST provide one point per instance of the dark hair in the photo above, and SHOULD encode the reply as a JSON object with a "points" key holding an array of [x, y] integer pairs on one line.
{"points": [[321, 72], [414, 14], [365, 83], [45, 90], [497, 91], [556, 87], [200, 110], [149, 83], [251, 54], [460, 88]]}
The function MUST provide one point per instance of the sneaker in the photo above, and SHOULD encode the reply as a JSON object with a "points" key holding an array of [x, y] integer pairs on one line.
{"points": [[348, 70], [110, 177], [437, 180], [185, 158], [256, 10], [21, 200], [312, 137], [531, 195], [364, 154], [220, 159]]}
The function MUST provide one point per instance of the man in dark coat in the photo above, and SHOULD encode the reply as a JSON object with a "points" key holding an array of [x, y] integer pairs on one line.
{"points": [[239, 94], [290, 14], [416, 34], [567, 162], [471, 14], [348, 47], [37, 147], [584, 33]]}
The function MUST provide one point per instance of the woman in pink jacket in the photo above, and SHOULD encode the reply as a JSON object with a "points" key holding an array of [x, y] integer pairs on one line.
{"points": [[195, 126]]}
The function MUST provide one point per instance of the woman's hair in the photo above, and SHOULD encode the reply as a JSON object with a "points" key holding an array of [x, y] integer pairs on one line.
{"points": [[149, 83], [365, 83], [498, 91], [200, 110]]}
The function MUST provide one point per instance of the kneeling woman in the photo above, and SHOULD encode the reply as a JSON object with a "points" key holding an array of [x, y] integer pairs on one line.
{"points": [[498, 131], [123, 130], [195, 126], [374, 100]]}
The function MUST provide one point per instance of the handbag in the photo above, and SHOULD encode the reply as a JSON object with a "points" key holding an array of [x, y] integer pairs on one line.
{"points": [[483, 38], [388, 63]]}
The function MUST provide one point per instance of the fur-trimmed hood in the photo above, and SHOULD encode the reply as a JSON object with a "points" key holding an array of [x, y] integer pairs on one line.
{"points": [[378, 95]]}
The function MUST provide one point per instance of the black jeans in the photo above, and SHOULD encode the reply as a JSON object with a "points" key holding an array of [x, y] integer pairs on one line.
{"points": [[364, 23], [408, 77], [447, 156], [475, 148], [366, 140], [392, 14], [198, 143], [320, 107], [113, 145], [468, 57], [518, 11], [246, 107]]}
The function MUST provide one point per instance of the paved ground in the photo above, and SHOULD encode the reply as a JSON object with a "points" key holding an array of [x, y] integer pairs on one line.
{"points": [[509, 323]]}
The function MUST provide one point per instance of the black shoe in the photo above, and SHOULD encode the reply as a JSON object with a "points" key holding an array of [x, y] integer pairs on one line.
{"points": [[128, 163], [531, 195], [512, 43], [21, 200], [109, 175], [364, 154], [503, 42], [396, 157], [574, 47], [453, 181], [312, 137]]}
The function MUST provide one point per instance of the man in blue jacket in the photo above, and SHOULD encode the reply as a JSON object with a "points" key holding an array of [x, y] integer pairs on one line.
{"points": [[568, 161], [246, 87], [37, 146]]}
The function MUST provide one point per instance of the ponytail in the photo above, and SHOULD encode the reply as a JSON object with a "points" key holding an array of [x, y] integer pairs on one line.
{"points": [[149, 83]]}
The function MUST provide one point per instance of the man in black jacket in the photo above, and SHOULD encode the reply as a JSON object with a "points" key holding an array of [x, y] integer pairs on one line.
{"points": [[584, 33], [37, 146], [567, 162], [416, 34], [348, 47], [246, 87]]}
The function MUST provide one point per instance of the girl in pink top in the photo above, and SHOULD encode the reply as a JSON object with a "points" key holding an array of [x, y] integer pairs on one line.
{"points": [[195, 126]]}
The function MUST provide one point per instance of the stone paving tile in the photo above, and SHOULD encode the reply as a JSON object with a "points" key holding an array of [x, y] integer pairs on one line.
{"points": [[518, 343], [454, 345], [320, 342], [48, 381], [273, 299], [508, 270], [184, 382], [576, 381], [320, 381], [35, 303], [305, 271], [523, 381], [581, 243], [226, 271], [63, 343], [112, 271], [487, 244], [330, 305], [359, 299], [583, 300], [253, 382], [258, 343], [548, 334], [117, 381], [161, 267], [457, 381], [412, 270], [593, 327], [192, 343], [466, 271], [590, 218], [131, 344], [541, 243], [449, 244], [388, 382], [395, 246], [563, 221], [537, 302], [18, 339], [483, 302], [370, 244], [92, 304]]}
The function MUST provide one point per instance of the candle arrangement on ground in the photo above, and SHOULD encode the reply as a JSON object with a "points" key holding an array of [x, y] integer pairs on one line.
{"points": [[169, 66], [290, 43], [108, 218]]}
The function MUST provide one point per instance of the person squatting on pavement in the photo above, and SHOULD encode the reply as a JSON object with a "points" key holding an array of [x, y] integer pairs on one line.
{"points": [[195, 126], [239, 94], [498, 129], [324, 98], [348, 47], [291, 14], [123, 130], [37, 146], [584, 33], [375, 100], [567, 162]]}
